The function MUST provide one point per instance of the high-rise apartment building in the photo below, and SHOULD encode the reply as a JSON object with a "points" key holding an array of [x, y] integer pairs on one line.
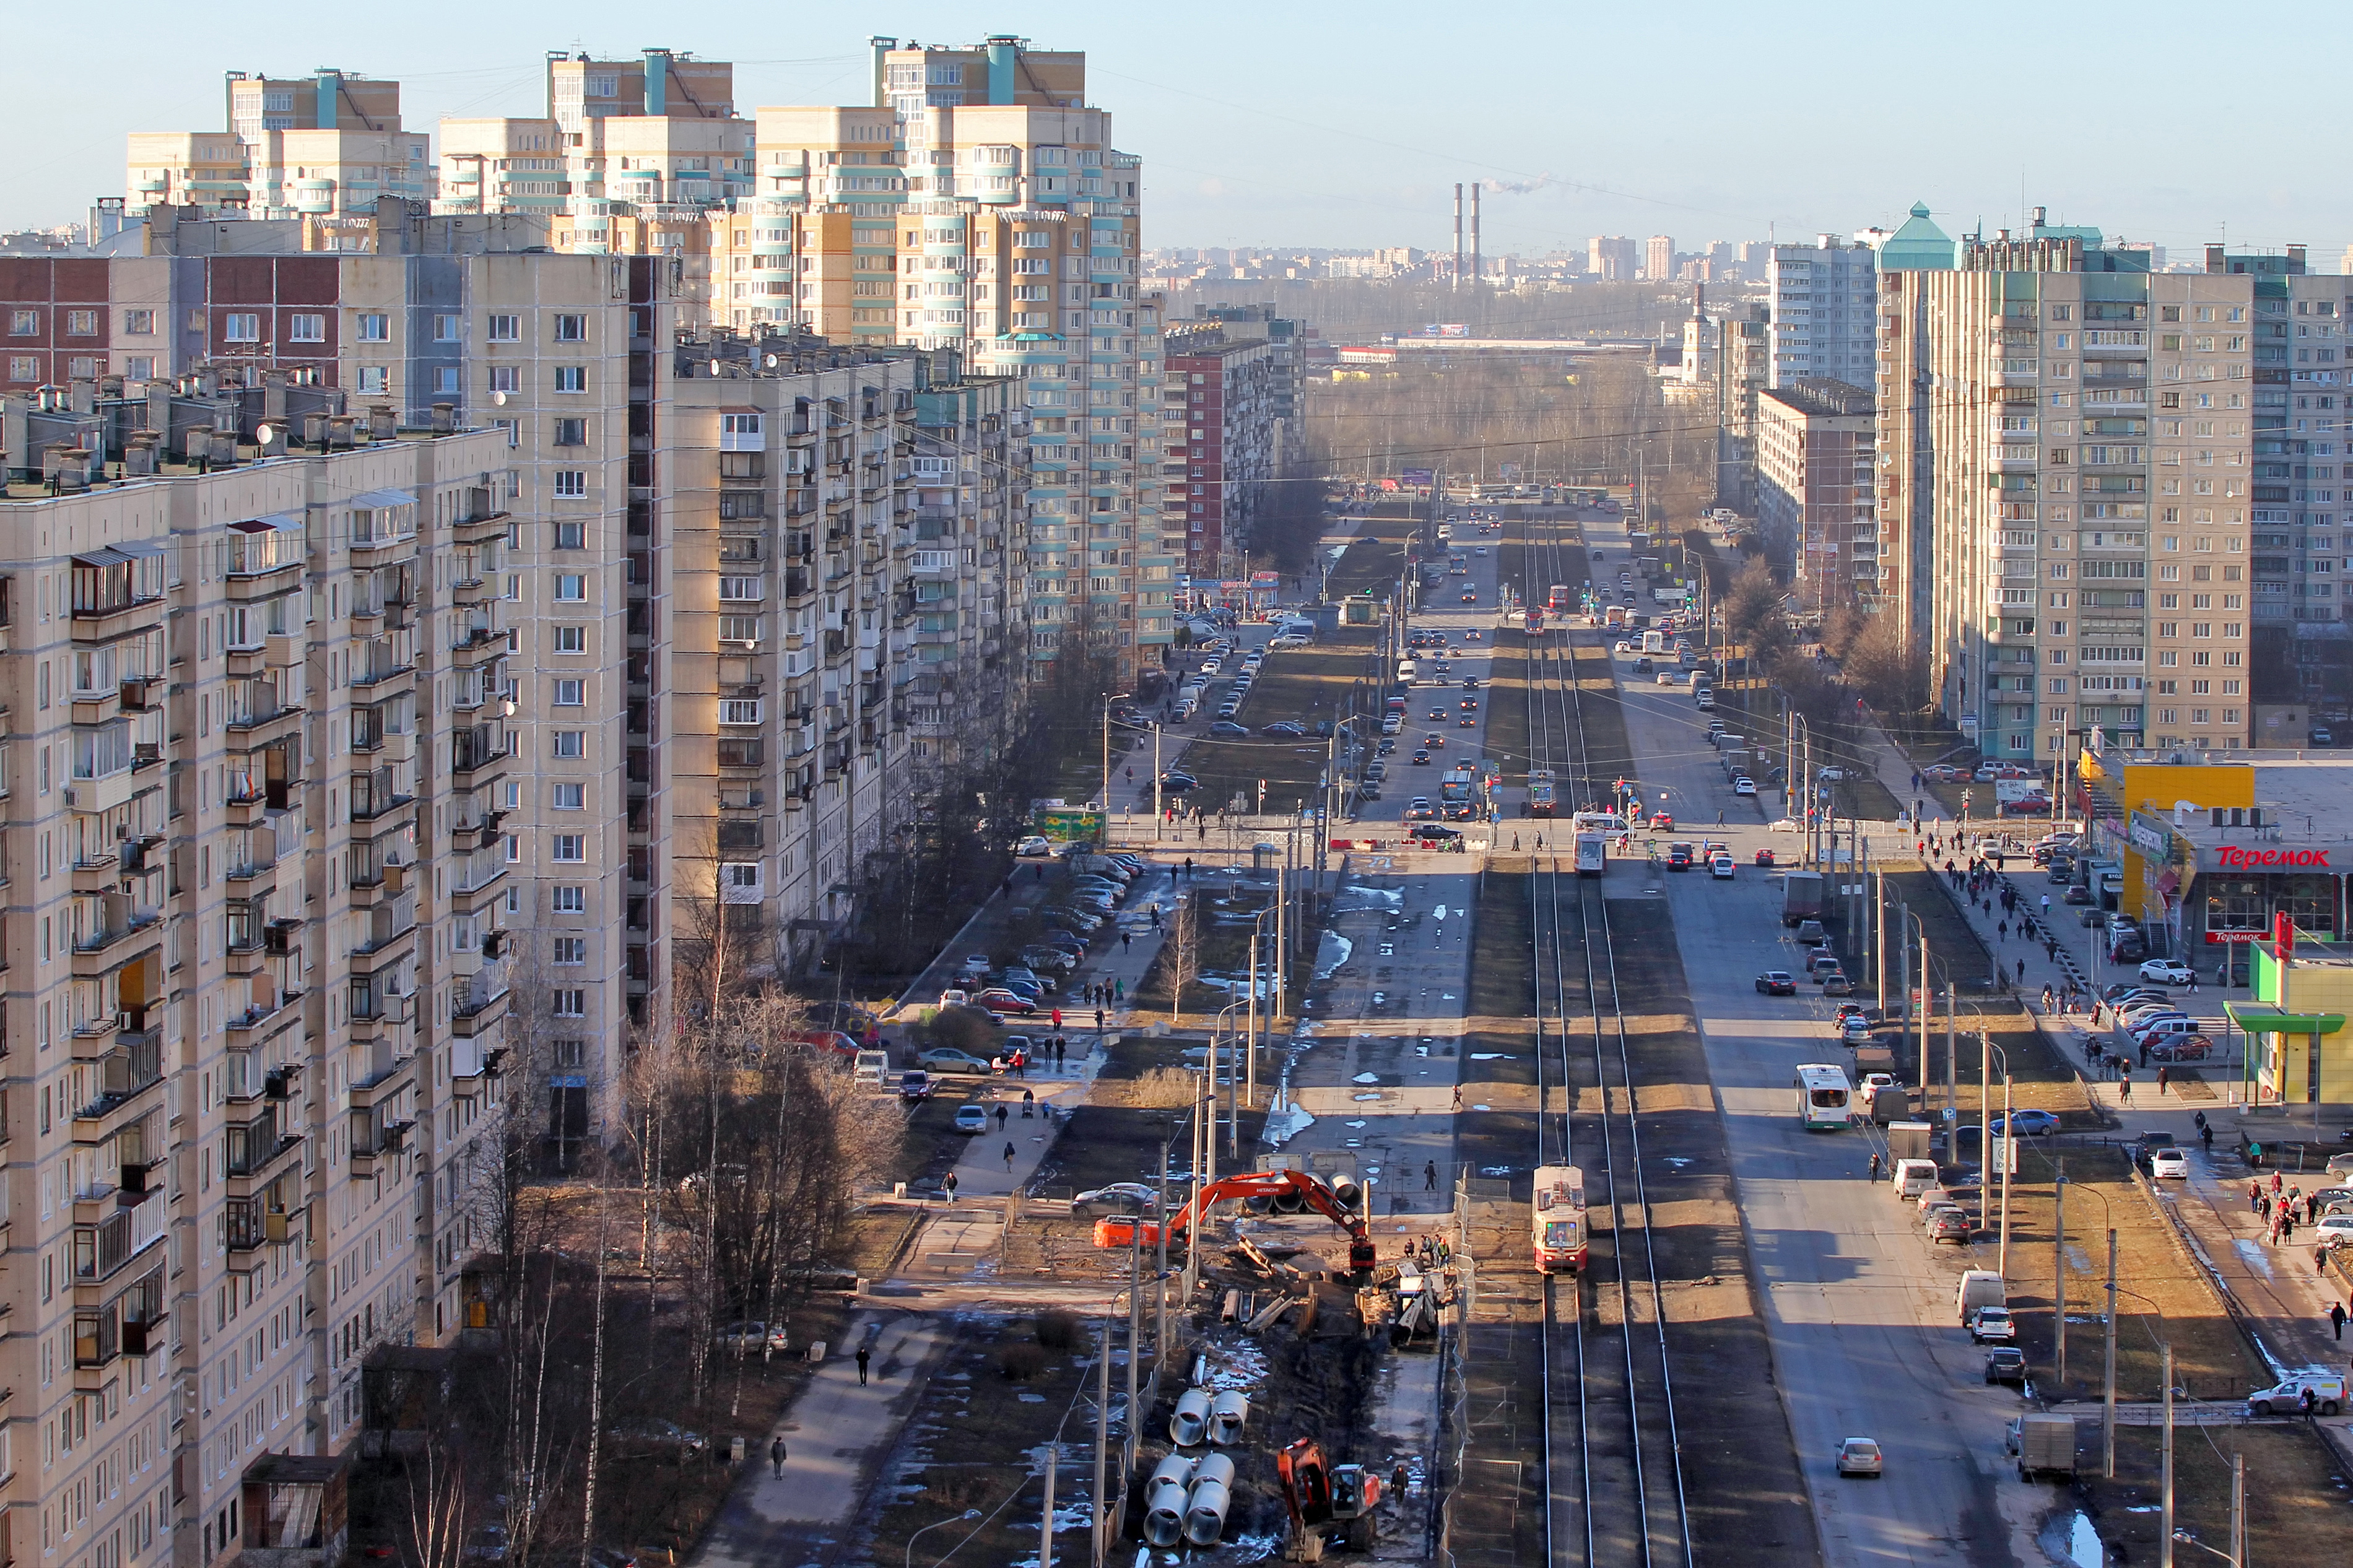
{"points": [[326, 145], [1821, 297], [1612, 258], [2077, 454], [1659, 258], [1814, 490], [1223, 392], [256, 977]]}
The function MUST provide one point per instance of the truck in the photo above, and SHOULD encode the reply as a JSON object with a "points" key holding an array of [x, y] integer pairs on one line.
{"points": [[2046, 1446], [1457, 793], [1909, 1141], [1801, 897], [1540, 792]]}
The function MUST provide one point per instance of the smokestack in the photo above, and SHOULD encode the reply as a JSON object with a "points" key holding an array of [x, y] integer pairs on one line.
{"points": [[1458, 236], [1474, 231]]}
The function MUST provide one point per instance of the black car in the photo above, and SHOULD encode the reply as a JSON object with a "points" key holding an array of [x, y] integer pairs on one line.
{"points": [[2006, 1363], [1178, 784], [1777, 982]]}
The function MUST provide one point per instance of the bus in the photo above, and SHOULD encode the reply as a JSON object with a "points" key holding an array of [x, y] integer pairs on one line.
{"points": [[1556, 1216], [1654, 641], [1592, 853], [1824, 1097], [1540, 792]]}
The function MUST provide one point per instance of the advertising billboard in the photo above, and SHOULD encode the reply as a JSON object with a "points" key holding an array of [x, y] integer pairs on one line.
{"points": [[1417, 477]]}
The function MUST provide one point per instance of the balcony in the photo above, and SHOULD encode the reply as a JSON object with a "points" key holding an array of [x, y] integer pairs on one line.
{"points": [[96, 797], [484, 521], [479, 755], [258, 1222], [482, 1003], [253, 731], [383, 682], [371, 887], [122, 619], [392, 935], [128, 1076], [107, 1243], [479, 880], [253, 805], [255, 1153], [480, 645], [128, 935], [379, 1015], [389, 1072]]}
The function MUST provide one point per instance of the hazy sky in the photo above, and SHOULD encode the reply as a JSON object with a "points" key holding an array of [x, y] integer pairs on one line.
{"points": [[1347, 125]]}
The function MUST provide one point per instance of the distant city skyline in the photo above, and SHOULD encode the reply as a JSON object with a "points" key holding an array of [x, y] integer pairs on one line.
{"points": [[1375, 122]]}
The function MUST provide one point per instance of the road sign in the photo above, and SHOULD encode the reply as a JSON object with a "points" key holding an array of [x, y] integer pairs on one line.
{"points": [[2004, 1150]]}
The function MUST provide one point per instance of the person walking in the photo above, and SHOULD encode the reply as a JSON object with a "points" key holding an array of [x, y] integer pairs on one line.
{"points": [[1429, 1176], [1126, 941], [1001, 1114], [948, 1185], [1155, 915], [2160, 1083], [2337, 1318], [2022, 971], [776, 1448], [1875, 1168], [2255, 1196], [2277, 1184], [2124, 1087], [2046, 906], [1099, 1015], [1008, 1157], [2193, 983]]}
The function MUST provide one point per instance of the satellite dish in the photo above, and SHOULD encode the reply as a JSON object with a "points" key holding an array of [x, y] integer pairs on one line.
{"points": [[714, 369], [266, 434], [499, 398], [772, 362]]}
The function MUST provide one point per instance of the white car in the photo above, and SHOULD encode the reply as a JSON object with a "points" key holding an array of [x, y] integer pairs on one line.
{"points": [[1744, 785], [1872, 1082], [1720, 867], [1992, 1323], [1785, 825], [2170, 1162], [1858, 1457], [2165, 971], [1624, 646], [1033, 845], [2332, 1228]]}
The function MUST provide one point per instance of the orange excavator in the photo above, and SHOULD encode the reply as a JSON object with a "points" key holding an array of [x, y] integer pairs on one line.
{"points": [[1287, 1192], [1320, 1495]]}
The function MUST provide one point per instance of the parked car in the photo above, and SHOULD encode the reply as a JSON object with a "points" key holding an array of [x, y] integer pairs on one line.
{"points": [[2173, 1163], [2165, 971], [2029, 1124], [2006, 1363], [752, 1336], [1119, 1197], [999, 1000], [1033, 845], [2182, 1048], [972, 1118], [1951, 1224], [946, 1058], [1992, 1325]]}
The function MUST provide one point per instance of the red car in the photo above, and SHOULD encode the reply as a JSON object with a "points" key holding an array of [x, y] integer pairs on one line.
{"points": [[1471, 635], [1002, 1001], [1765, 857], [1662, 821]]}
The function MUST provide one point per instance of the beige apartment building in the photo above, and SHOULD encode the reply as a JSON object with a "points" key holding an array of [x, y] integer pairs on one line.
{"points": [[324, 145], [1815, 483], [254, 992], [2082, 479]]}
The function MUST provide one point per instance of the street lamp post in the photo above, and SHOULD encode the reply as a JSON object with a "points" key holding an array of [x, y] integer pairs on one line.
{"points": [[908, 1558]]}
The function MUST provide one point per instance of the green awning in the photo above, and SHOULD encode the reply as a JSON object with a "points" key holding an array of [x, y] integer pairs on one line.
{"points": [[2262, 1018]]}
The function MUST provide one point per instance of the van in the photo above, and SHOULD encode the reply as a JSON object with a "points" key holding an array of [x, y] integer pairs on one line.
{"points": [[2327, 1387], [1978, 1287], [873, 1068], [1911, 1177]]}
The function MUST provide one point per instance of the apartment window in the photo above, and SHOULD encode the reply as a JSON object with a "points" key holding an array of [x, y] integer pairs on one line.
{"points": [[571, 1053], [570, 535], [447, 380], [375, 379], [739, 628], [572, 587], [571, 639], [572, 378], [571, 950], [571, 694], [572, 484], [24, 323], [447, 329], [571, 329], [83, 367], [505, 378], [23, 367], [570, 1002], [572, 432], [376, 327], [571, 743], [138, 367], [241, 327], [506, 328], [565, 900], [306, 327], [513, 427], [741, 590], [569, 848], [571, 797]]}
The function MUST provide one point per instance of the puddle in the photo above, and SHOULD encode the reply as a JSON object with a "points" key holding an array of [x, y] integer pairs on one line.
{"points": [[2254, 1256], [1366, 1077], [1365, 1097], [2068, 1537], [1677, 1161], [1491, 1055]]}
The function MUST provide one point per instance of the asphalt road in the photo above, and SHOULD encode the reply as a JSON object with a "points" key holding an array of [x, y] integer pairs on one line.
{"points": [[1859, 1303]]}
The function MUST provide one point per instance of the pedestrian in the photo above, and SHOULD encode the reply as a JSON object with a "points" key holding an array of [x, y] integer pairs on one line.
{"points": [[948, 1185], [2046, 906], [2124, 1088], [2277, 1184], [1118, 989], [2051, 949], [2337, 1318], [2160, 1083], [865, 1355], [1058, 1017], [1008, 1157], [2287, 1225], [1060, 1050], [2001, 932], [2193, 983], [2311, 1208], [2255, 1196], [2046, 998], [2022, 971], [1002, 1112], [1458, 1096], [2305, 1405], [1029, 1103], [1125, 942], [2144, 1052], [1429, 1176], [1099, 1020], [1155, 915], [2263, 1207], [1188, 871], [2205, 1136], [776, 1452], [1875, 1168]]}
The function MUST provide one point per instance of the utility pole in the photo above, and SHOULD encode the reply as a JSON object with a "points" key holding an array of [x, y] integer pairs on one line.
{"points": [[2059, 1275], [1903, 977], [2165, 1525], [1952, 1055], [2108, 1383], [1102, 1447], [2239, 1510]]}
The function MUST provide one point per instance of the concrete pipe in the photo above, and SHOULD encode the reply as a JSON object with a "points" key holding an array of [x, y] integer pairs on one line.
{"points": [[1346, 1189], [1190, 1422], [1288, 1202], [1165, 1497], [1228, 1411], [1205, 1510]]}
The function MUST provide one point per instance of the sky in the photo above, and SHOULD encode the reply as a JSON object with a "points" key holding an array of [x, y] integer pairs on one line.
{"points": [[1347, 126]]}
